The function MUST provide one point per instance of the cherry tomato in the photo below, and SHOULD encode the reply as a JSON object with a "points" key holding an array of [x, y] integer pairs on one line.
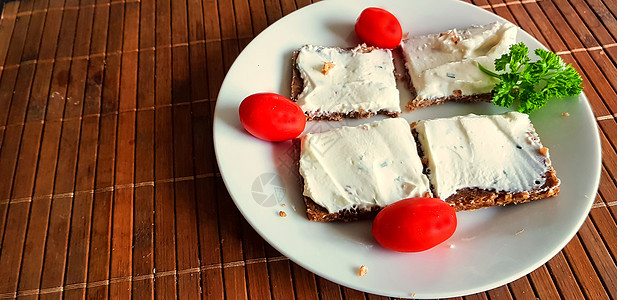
{"points": [[271, 117], [414, 224], [378, 27]]}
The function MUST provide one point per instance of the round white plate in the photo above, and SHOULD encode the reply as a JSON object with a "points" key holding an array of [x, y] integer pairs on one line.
{"points": [[491, 247]]}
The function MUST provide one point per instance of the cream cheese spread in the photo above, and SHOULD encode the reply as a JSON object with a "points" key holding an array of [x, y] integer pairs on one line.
{"points": [[374, 164], [446, 64], [500, 153], [353, 80]]}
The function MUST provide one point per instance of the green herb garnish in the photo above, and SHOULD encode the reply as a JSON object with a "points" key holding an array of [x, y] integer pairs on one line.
{"points": [[531, 84]]}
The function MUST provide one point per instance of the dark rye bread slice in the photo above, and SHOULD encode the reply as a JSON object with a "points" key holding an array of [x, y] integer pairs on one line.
{"points": [[297, 85], [317, 213], [474, 198]]}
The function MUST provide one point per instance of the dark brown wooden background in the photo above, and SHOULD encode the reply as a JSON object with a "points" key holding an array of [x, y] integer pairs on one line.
{"points": [[108, 182]]}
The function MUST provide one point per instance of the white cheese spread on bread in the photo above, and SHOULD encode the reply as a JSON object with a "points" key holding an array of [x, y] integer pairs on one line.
{"points": [[446, 64], [373, 164], [344, 81], [492, 152]]}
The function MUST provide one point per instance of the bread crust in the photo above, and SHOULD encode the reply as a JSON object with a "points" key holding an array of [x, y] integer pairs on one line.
{"points": [[337, 116], [418, 102], [297, 85], [316, 213], [473, 198]]}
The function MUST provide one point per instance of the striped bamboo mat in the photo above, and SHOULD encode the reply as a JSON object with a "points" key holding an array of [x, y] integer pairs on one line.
{"points": [[103, 105]]}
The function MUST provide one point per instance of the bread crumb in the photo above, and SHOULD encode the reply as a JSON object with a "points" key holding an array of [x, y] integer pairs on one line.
{"points": [[406, 35], [363, 270], [457, 93], [283, 204], [452, 35], [327, 66], [565, 114], [282, 214], [427, 195], [519, 232], [544, 151]]}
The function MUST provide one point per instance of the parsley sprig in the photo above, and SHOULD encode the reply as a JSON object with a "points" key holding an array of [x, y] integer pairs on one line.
{"points": [[532, 84]]}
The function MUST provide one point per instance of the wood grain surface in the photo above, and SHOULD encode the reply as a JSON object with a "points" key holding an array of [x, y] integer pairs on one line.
{"points": [[105, 104]]}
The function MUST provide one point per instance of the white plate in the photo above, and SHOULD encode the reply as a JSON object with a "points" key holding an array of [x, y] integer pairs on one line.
{"points": [[491, 247]]}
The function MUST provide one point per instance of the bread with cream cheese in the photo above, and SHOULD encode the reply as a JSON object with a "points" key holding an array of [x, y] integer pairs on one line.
{"points": [[483, 161], [318, 213], [332, 83], [350, 173], [443, 67]]}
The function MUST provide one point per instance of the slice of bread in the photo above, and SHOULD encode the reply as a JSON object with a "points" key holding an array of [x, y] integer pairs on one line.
{"points": [[483, 161], [351, 173], [317, 213], [443, 67], [332, 83]]}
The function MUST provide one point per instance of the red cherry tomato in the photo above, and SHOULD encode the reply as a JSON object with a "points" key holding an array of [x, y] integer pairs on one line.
{"points": [[414, 224], [378, 27], [271, 117]]}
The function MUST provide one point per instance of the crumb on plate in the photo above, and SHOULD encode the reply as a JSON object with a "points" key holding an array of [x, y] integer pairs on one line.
{"points": [[363, 270]]}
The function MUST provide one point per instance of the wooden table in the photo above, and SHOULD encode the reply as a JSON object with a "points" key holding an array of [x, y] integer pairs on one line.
{"points": [[105, 115]]}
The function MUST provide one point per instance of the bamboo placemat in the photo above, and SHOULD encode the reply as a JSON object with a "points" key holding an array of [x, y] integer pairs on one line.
{"points": [[109, 185]]}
